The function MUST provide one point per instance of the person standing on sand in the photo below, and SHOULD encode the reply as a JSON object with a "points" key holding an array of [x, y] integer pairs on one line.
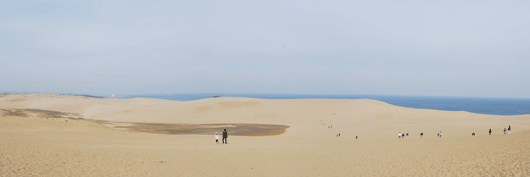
{"points": [[509, 128], [505, 131], [216, 138], [490, 131], [225, 136], [421, 135], [440, 134], [399, 135]]}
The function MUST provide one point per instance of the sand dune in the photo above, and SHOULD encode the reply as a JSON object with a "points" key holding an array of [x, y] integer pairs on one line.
{"points": [[38, 146]]}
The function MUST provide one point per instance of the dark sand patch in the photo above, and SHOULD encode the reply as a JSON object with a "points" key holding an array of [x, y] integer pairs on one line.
{"points": [[161, 128], [39, 113], [201, 129]]}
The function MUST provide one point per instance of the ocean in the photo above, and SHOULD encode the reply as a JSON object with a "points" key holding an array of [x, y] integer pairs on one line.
{"points": [[493, 106]]}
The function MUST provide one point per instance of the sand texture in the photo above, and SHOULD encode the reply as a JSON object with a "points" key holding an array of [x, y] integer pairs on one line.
{"points": [[62, 135]]}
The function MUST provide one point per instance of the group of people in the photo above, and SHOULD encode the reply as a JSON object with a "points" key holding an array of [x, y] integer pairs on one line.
{"points": [[225, 136], [509, 130], [402, 135]]}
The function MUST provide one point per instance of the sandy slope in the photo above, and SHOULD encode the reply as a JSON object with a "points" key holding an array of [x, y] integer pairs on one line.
{"points": [[53, 147]]}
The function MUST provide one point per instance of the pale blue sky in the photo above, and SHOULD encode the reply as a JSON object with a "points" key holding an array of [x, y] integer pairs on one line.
{"points": [[400, 47]]}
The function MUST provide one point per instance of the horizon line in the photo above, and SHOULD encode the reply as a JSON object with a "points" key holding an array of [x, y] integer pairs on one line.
{"points": [[172, 94]]}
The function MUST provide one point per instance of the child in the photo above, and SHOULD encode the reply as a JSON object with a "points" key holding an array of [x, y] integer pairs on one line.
{"points": [[216, 138]]}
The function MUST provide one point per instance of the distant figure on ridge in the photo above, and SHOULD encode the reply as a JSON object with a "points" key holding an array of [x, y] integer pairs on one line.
{"points": [[421, 135], [225, 136], [490, 131], [509, 128], [216, 138]]}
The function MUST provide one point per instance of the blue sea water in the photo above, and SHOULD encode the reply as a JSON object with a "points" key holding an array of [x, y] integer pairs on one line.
{"points": [[493, 106]]}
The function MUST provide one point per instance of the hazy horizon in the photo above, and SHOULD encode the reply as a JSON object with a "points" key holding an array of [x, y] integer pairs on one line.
{"points": [[249, 94], [395, 48]]}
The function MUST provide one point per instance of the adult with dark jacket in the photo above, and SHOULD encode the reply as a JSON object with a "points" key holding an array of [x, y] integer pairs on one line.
{"points": [[225, 135], [490, 131]]}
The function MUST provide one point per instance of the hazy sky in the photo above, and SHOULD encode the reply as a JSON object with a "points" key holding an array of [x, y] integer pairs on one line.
{"points": [[399, 47]]}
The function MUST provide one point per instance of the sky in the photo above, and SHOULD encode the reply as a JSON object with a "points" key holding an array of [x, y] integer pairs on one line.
{"points": [[476, 48]]}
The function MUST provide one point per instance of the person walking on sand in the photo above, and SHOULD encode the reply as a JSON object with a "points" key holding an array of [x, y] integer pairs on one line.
{"points": [[399, 135], [490, 131], [216, 138], [505, 131], [421, 135], [225, 136], [509, 128]]}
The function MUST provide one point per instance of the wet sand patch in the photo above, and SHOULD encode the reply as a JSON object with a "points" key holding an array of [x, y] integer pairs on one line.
{"points": [[200, 129], [161, 128], [38, 113]]}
